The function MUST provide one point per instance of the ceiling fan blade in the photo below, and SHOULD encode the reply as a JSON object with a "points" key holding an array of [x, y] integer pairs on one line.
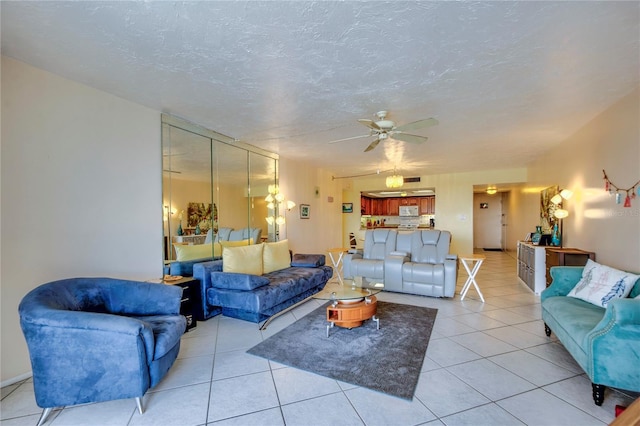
{"points": [[369, 123], [406, 137], [420, 124], [372, 145], [348, 139]]}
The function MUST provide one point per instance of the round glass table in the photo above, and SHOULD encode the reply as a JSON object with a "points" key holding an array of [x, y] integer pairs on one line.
{"points": [[351, 304]]}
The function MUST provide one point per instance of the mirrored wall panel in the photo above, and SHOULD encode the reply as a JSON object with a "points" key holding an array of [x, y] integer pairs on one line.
{"points": [[215, 192]]}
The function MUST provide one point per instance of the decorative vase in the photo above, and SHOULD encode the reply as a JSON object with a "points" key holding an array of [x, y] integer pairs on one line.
{"points": [[198, 231], [555, 238], [180, 231]]}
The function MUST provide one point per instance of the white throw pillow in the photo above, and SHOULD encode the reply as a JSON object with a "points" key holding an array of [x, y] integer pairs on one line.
{"points": [[599, 284]]}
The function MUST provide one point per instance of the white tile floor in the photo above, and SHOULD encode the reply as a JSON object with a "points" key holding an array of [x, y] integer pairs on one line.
{"points": [[487, 364]]}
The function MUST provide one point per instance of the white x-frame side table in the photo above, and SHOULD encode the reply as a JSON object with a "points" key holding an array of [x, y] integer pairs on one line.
{"points": [[471, 263], [336, 255]]}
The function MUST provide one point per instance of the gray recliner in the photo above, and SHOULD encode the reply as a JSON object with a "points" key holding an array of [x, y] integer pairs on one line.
{"points": [[428, 269], [378, 244]]}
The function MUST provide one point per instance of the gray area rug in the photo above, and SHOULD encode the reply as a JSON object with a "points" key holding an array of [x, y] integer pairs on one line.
{"points": [[386, 360]]}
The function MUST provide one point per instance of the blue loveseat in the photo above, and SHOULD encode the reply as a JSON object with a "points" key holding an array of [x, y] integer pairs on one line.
{"points": [[258, 297], [605, 342], [99, 339]]}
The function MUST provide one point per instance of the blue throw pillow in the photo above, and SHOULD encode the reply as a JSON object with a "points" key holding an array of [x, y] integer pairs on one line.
{"points": [[237, 281], [308, 260]]}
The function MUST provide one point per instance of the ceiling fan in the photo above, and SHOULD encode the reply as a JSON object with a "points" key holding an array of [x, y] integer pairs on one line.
{"points": [[384, 129]]}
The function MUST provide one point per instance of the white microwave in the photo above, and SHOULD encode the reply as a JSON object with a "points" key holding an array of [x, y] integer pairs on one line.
{"points": [[408, 211]]}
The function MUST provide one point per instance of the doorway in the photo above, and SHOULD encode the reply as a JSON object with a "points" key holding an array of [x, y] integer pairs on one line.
{"points": [[489, 221]]}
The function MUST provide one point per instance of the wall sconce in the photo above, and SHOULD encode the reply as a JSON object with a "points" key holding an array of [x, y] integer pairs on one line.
{"points": [[491, 190]]}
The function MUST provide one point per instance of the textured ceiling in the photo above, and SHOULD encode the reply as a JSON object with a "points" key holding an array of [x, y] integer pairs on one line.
{"points": [[506, 80]]}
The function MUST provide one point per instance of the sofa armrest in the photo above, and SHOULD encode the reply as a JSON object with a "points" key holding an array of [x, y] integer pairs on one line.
{"points": [[450, 274], [614, 344], [202, 272], [43, 330], [346, 263], [393, 270], [141, 298], [564, 278], [308, 260]]}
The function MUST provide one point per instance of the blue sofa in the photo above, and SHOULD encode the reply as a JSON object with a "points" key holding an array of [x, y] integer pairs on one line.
{"points": [[99, 339], [605, 342], [256, 298]]}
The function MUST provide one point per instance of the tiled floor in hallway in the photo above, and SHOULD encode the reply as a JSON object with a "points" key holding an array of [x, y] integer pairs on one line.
{"points": [[487, 364]]}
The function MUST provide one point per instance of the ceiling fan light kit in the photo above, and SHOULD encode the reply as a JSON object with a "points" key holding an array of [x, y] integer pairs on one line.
{"points": [[384, 129]]}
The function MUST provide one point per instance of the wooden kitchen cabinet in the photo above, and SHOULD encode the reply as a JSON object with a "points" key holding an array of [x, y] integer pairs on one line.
{"points": [[393, 205], [428, 205], [365, 205], [408, 201], [390, 206], [378, 207]]}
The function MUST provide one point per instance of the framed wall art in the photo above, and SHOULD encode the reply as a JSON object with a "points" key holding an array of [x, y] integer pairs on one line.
{"points": [[347, 207], [305, 211]]}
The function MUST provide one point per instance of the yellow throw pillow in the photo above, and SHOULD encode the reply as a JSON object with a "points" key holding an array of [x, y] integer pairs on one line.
{"points": [[276, 256], [196, 251], [243, 260], [239, 243]]}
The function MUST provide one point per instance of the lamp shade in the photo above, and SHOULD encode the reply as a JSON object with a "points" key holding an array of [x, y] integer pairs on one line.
{"points": [[561, 213], [394, 181]]}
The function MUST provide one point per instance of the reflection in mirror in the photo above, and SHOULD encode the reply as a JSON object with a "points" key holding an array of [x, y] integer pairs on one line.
{"points": [[213, 190], [262, 175]]}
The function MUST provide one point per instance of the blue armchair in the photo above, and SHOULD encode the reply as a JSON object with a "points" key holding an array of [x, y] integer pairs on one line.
{"points": [[99, 339]]}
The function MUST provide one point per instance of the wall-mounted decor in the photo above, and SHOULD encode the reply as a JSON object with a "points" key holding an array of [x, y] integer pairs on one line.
{"points": [[547, 209], [484, 205], [347, 207], [305, 211], [629, 192]]}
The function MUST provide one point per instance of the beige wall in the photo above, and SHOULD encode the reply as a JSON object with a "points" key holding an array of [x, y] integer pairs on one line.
{"points": [[323, 230], [81, 191], [611, 141]]}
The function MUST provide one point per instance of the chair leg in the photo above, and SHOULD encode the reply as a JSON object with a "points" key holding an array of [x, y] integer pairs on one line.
{"points": [[547, 330], [598, 393], [44, 415], [139, 403]]}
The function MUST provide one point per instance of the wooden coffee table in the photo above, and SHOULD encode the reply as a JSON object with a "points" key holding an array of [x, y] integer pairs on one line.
{"points": [[350, 306]]}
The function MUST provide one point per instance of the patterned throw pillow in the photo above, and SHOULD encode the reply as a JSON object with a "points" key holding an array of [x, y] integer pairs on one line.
{"points": [[600, 284]]}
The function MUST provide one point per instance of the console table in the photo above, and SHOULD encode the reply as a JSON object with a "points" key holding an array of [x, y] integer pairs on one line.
{"points": [[557, 256], [535, 263]]}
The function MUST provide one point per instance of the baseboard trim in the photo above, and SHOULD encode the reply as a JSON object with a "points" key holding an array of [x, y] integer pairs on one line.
{"points": [[16, 379]]}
